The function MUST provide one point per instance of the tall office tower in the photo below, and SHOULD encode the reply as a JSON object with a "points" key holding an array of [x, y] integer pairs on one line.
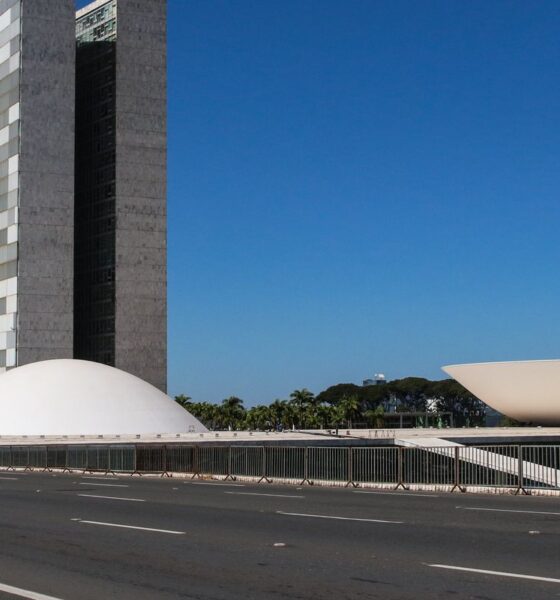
{"points": [[37, 64], [120, 309]]}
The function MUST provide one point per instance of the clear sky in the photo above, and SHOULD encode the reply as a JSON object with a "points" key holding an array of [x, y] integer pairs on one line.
{"points": [[357, 187]]}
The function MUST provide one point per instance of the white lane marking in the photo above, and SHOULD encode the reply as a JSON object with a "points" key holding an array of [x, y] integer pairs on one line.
{"points": [[106, 484], [101, 523], [259, 494], [10, 589], [101, 478], [409, 494], [337, 518], [217, 484], [10, 478], [497, 573], [508, 510], [111, 498]]}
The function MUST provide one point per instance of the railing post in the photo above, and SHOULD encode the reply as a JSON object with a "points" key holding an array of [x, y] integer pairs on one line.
{"points": [[196, 463], [400, 469], [350, 470], [67, 460], [264, 476], [556, 451], [520, 473], [109, 469], [229, 467], [10, 465], [306, 467], [165, 472], [457, 466], [136, 471], [46, 458]]}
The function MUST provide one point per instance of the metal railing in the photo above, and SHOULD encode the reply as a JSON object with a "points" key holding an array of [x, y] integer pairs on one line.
{"points": [[519, 467]]}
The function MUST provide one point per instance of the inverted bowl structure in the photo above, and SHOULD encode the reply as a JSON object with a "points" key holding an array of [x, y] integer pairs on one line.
{"points": [[527, 390], [77, 397]]}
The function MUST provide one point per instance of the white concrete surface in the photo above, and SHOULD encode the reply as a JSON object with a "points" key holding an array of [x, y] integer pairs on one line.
{"points": [[528, 391], [76, 397]]}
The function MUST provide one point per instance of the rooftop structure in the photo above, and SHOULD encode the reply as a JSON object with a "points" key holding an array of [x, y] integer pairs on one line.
{"points": [[528, 391], [75, 397]]}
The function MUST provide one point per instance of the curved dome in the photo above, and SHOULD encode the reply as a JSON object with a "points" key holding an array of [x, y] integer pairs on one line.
{"points": [[77, 397], [527, 391]]}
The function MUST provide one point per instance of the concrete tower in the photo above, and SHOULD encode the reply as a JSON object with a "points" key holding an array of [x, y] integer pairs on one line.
{"points": [[121, 299], [83, 184], [37, 66]]}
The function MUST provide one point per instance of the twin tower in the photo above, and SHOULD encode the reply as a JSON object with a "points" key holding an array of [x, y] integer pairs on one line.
{"points": [[83, 184]]}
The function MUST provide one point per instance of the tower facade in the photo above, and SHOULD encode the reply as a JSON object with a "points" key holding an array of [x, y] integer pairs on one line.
{"points": [[120, 309], [83, 184], [37, 66]]}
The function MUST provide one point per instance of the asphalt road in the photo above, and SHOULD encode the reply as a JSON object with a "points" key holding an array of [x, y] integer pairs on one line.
{"points": [[69, 536]]}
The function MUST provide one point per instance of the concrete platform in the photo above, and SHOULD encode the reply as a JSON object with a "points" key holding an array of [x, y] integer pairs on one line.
{"points": [[367, 437]]}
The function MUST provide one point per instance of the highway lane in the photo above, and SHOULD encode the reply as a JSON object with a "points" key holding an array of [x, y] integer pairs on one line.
{"points": [[72, 536]]}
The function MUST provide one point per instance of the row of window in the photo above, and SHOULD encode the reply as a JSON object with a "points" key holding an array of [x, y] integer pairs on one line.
{"points": [[90, 263], [87, 195], [98, 24], [94, 227], [86, 295], [101, 327]]}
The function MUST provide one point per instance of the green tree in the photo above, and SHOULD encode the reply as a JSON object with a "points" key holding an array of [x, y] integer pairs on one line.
{"points": [[184, 401], [376, 417], [349, 408], [259, 417], [206, 413], [304, 401], [232, 412]]}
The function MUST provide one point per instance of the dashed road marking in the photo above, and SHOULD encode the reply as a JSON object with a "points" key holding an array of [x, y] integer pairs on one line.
{"points": [[508, 510], [15, 591], [290, 514], [269, 495], [215, 484], [111, 498], [103, 524], [106, 484], [496, 573], [408, 494]]}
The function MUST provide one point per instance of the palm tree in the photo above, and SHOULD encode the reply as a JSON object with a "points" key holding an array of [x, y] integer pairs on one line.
{"points": [[184, 401], [204, 412], [277, 412], [326, 415], [302, 400], [349, 408], [377, 416], [232, 411], [258, 417], [302, 397]]}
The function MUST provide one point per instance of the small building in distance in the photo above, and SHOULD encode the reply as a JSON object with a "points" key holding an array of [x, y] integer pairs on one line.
{"points": [[378, 379]]}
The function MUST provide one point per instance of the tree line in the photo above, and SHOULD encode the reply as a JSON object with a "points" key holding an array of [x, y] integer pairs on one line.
{"points": [[343, 405]]}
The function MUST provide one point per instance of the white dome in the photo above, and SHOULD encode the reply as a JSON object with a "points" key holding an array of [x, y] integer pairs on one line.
{"points": [[527, 390], [77, 397]]}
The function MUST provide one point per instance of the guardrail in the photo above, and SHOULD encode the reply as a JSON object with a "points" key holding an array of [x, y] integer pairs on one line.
{"points": [[520, 467]]}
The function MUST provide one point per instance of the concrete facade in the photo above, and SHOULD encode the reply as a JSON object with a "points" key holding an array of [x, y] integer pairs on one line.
{"points": [[37, 104], [130, 330], [83, 184], [141, 236]]}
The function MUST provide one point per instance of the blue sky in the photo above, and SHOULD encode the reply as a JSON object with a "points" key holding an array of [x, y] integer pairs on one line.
{"points": [[358, 187]]}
